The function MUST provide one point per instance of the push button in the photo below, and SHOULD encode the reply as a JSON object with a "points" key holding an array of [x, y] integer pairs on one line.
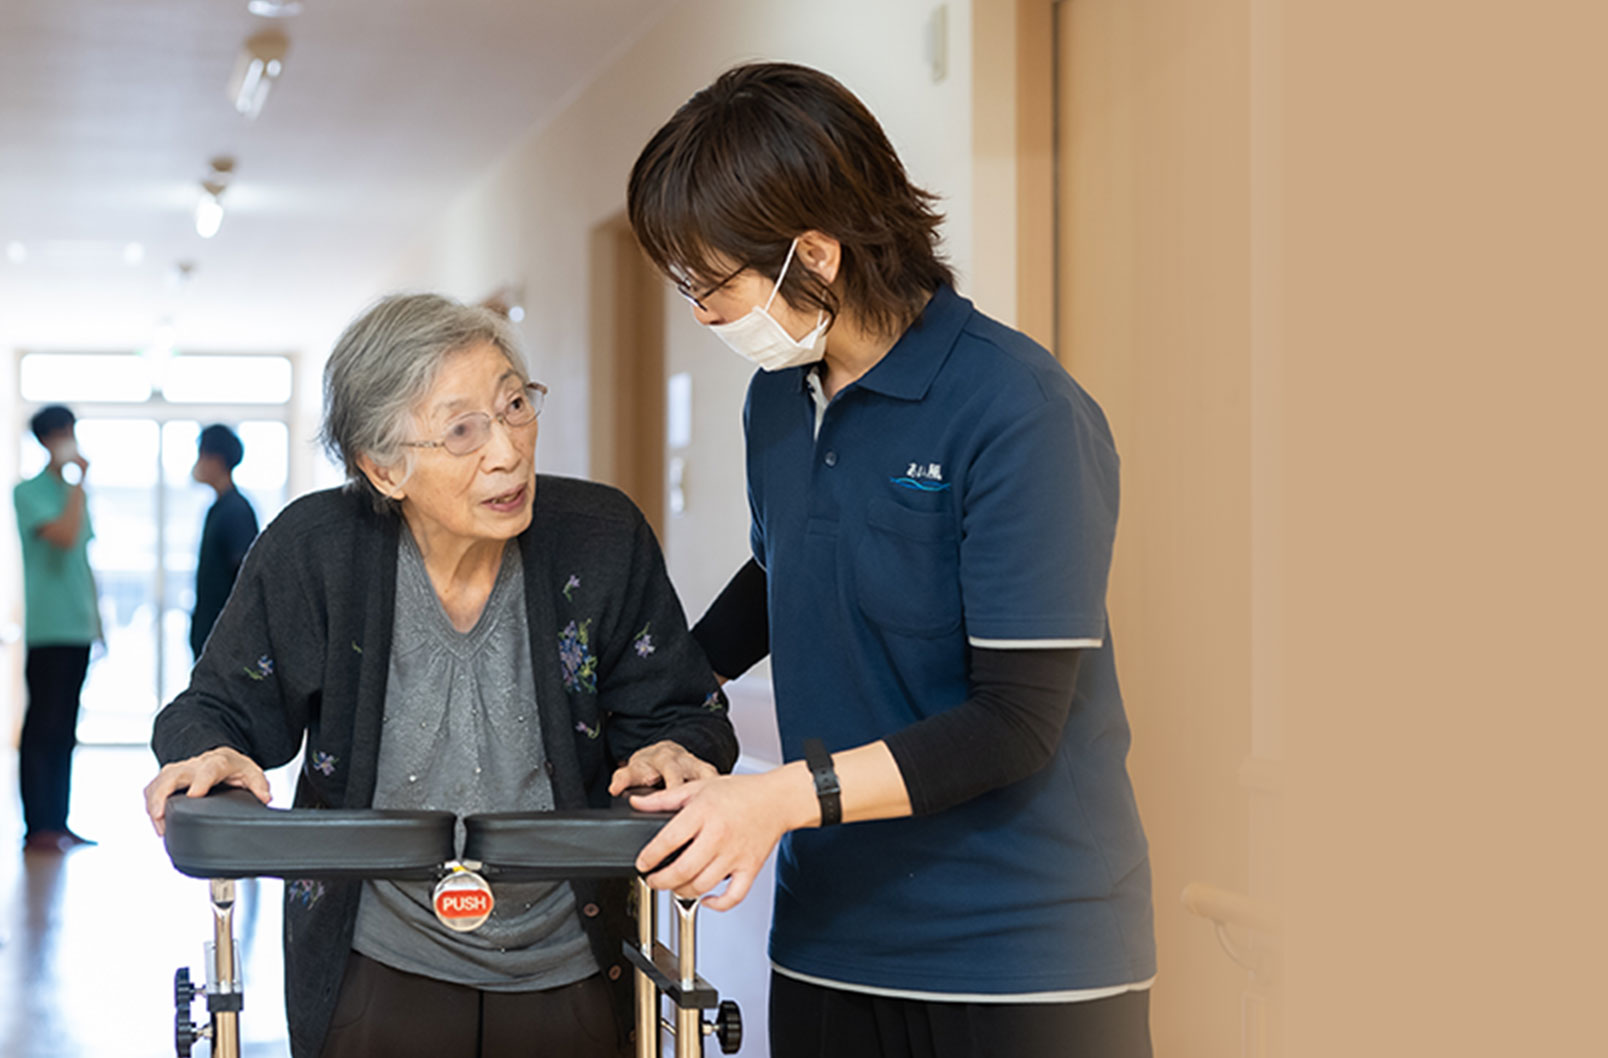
{"points": [[831, 459]]}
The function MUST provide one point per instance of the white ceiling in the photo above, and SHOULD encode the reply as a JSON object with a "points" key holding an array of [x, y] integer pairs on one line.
{"points": [[386, 111]]}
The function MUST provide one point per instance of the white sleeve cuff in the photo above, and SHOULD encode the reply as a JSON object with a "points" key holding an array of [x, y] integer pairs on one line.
{"points": [[1034, 644]]}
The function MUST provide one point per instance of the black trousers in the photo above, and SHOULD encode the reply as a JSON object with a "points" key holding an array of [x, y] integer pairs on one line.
{"points": [[386, 1012], [808, 1021], [55, 677]]}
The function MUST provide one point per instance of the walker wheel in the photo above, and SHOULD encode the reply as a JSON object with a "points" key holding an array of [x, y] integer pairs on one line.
{"points": [[729, 1027]]}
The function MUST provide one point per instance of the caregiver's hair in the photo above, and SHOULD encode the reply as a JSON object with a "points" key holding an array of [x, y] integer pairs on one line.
{"points": [[766, 153], [383, 366]]}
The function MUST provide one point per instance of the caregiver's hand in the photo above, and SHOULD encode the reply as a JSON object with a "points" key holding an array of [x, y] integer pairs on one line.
{"points": [[732, 823], [662, 761], [200, 774]]}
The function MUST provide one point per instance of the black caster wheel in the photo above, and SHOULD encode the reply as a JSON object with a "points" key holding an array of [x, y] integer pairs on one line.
{"points": [[729, 1027]]}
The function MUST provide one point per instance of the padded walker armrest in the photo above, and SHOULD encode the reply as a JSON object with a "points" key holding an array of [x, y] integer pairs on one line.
{"points": [[548, 846], [230, 834]]}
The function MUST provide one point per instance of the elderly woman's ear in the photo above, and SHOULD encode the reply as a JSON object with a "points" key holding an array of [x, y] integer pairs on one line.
{"points": [[387, 481]]}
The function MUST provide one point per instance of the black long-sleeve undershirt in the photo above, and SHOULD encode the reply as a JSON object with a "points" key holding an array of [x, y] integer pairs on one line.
{"points": [[1006, 730]]}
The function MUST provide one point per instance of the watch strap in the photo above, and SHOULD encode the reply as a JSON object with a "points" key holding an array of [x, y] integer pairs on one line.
{"points": [[827, 790]]}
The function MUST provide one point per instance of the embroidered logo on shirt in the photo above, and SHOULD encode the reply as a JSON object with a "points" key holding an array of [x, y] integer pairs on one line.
{"points": [[924, 477]]}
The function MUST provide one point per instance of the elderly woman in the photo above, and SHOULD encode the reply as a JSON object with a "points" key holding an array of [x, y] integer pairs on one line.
{"points": [[450, 631]]}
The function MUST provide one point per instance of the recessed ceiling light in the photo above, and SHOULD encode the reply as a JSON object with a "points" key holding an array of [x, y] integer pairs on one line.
{"points": [[275, 8], [16, 252]]}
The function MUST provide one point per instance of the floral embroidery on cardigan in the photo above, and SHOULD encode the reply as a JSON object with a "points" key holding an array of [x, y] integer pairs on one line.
{"points": [[305, 891], [589, 732], [715, 702], [576, 658], [570, 585], [264, 669], [643, 643], [324, 762]]}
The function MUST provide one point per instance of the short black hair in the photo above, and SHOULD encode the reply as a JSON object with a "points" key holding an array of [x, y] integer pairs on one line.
{"points": [[49, 420], [218, 440], [768, 152]]}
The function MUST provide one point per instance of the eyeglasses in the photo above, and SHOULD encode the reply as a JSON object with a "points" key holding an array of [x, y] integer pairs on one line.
{"points": [[685, 289], [468, 433]]}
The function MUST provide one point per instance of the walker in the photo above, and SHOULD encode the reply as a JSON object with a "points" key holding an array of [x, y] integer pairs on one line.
{"points": [[230, 835]]}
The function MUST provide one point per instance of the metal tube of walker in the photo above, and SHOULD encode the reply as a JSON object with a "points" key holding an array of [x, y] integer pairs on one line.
{"points": [[647, 994], [225, 1023], [689, 1020]]}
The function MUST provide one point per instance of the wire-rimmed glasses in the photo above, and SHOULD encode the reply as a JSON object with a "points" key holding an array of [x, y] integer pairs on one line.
{"points": [[468, 433]]}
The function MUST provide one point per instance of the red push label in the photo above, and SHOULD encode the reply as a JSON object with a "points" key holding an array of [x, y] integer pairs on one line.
{"points": [[462, 900], [463, 905]]}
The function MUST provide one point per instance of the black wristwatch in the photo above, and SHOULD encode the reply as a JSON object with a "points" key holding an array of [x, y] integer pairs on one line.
{"points": [[827, 790]]}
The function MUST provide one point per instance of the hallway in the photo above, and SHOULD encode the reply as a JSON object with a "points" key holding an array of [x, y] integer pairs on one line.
{"points": [[89, 939]]}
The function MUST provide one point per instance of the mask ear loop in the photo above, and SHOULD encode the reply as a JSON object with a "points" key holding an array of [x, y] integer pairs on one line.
{"points": [[777, 289]]}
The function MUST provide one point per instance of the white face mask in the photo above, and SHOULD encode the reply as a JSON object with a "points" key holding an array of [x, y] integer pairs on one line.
{"points": [[64, 451], [759, 338]]}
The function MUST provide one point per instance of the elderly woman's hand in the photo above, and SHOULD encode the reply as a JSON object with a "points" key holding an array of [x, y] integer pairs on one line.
{"points": [[200, 774], [662, 761]]}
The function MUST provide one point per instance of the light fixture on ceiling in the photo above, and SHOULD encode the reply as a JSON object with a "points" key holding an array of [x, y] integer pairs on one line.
{"points": [[179, 276], [209, 207], [275, 8], [261, 61]]}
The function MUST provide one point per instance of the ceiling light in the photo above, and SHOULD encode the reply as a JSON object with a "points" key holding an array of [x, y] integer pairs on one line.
{"points": [[209, 212], [209, 207], [275, 8], [16, 252], [178, 278], [259, 64], [133, 254]]}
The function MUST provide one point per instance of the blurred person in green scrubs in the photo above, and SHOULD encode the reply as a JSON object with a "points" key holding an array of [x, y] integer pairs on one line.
{"points": [[62, 621]]}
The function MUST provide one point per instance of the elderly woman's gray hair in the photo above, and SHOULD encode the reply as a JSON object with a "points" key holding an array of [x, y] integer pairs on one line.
{"points": [[383, 366]]}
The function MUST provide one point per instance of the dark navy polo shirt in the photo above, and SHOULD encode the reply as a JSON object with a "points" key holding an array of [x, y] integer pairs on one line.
{"points": [[964, 490]]}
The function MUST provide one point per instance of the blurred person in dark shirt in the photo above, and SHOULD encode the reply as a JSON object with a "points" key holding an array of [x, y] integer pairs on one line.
{"points": [[226, 535]]}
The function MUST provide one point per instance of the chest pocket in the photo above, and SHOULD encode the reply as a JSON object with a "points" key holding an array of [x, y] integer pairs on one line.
{"points": [[907, 570]]}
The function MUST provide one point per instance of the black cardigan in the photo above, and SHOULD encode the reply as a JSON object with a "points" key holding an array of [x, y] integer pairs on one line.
{"points": [[303, 648]]}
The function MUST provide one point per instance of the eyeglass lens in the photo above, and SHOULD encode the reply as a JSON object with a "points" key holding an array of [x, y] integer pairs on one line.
{"points": [[470, 432]]}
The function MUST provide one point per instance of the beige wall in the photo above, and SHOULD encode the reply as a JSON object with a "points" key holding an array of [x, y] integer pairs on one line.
{"points": [[529, 221], [1154, 320], [1445, 518]]}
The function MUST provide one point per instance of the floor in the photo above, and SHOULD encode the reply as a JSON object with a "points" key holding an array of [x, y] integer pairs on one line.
{"points": [[89, 939]]}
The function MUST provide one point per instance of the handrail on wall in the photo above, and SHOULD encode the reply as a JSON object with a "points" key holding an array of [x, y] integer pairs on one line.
{"points": [[1224, 908], [1232, 909]]}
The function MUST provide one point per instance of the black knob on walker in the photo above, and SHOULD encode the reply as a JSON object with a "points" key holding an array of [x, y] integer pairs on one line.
{"points": [[729, 1027], [183, 994]]}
